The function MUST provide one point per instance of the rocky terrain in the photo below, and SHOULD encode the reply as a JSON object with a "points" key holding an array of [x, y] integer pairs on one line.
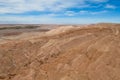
{"points": [[17, 29], [91, 52]]}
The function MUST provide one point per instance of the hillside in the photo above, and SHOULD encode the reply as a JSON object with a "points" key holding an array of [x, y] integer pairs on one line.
{"points": [[91, 52]]}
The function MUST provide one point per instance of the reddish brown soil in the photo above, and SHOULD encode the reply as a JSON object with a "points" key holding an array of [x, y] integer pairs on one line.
{"points": [[85, 53]]}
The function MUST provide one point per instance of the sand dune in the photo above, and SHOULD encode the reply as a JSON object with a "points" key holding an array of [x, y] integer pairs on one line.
{"points": [[91, 52]]}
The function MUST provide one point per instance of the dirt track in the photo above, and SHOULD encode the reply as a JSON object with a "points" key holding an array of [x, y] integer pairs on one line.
{"points": [[72, 53]]}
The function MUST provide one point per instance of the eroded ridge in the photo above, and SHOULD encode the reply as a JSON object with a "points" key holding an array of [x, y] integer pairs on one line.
{"points": [[72, 53]]}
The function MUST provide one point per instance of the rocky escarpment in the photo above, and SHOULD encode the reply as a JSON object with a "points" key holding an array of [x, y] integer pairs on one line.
{"points": [[66, 53]]}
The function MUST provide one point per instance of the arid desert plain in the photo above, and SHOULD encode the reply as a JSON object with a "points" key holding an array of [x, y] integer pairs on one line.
{"points": [[60, 52]]}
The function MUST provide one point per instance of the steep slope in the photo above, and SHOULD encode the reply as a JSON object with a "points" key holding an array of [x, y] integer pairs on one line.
{"points": [[70, 53]]}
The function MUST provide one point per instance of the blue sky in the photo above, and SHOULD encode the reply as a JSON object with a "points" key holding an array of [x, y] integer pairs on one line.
{"points": [[59, 11]]}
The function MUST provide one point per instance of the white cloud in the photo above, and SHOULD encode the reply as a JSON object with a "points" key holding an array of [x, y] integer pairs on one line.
{"points": [[83, 12], [70, 13], [92, 12], [110, 6], [52, 20], [99, 12], [26, 19], [80, 13], [21, 6]]}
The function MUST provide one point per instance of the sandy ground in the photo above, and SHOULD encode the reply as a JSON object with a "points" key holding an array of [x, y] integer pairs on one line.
{"points": [[91, 52]]}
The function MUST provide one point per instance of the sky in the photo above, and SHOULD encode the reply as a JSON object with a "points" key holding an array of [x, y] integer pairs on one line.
{"points": [[59, 11]]}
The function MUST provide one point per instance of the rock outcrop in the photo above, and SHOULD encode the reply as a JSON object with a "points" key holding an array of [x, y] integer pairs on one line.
{"points": [[72, 53]]}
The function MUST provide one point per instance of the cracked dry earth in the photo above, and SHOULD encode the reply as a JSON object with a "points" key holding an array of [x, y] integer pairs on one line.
{"points": [[66, 53]]}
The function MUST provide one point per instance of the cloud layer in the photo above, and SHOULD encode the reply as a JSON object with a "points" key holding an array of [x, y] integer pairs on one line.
{"points": [[22, 6], [57, 11]]}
